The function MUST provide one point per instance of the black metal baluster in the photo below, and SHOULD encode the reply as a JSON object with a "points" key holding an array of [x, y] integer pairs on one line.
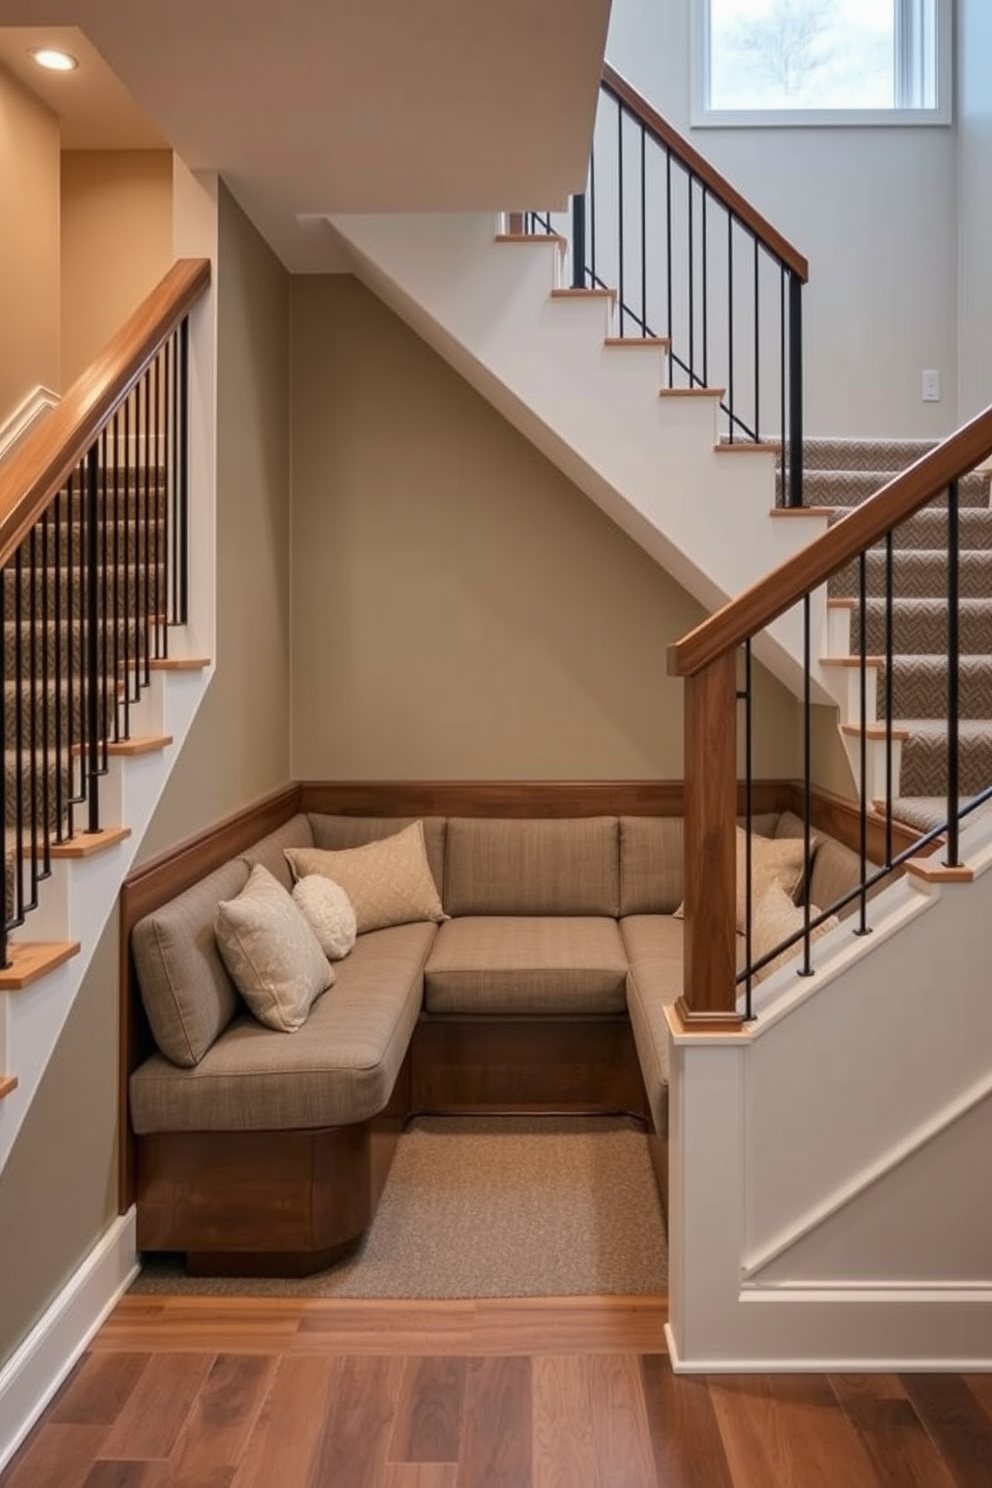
{"points": [[748, 828], [156, 622], [592, 220], [692, 283], [621, 209], [807, 966], [92, 593], [578, 242], [105, 639], [142, 595], [668, 264], [39, 797], [757, 347], [889, 680], [9, 860], [953, 859], [644, 232], [730, 325], [863, 741], [182, 470], [705, 268], [795, 494], [19, 781], [50, 748], [783, 495], [63, 642], [130, 548]]}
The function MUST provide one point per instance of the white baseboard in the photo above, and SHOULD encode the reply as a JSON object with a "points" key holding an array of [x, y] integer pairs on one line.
{"points": [[30, 408], [31, 1376]]}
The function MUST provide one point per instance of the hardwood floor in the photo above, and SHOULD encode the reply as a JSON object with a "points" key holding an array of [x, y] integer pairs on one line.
{"points": [[198, 1392]]}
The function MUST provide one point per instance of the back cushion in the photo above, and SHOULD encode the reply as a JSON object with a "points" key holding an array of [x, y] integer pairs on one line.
{"points": [[188, 996], [269, 850], [650, 864], [547, 867], [334, 832], [836, 868]]}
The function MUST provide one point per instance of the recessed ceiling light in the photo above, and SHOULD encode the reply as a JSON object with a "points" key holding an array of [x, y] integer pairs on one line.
{"points": [[54, 60]]}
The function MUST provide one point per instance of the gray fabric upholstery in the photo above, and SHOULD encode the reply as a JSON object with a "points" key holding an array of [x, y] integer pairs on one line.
{"points": [[653, 944], [338, 1069], [651, 855], [506, 964], [332, 833], [187, 994], [269, 850], [545, 867]]}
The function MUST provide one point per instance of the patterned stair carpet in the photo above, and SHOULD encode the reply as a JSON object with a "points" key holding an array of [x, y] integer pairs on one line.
{"points": [[842, 473], [479, 1206]]}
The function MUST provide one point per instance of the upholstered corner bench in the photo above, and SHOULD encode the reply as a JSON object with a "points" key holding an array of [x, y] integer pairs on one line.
{"points": [[544, 989]]}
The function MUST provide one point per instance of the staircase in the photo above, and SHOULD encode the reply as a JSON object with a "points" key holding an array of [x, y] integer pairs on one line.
{"points": [[101, 672], [840, 474]]}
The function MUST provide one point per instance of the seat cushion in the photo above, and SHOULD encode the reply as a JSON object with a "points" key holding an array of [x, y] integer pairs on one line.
{"points": [[514, 964], [339, 1068], [496, 866], [653, 945]]}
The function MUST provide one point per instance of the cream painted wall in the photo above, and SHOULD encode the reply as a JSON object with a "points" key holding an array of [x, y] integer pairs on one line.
{"points": [[29, 246], [873, 209], [975, 192], [58, 1188], [116, 243], [460, 610], [238, 746]]}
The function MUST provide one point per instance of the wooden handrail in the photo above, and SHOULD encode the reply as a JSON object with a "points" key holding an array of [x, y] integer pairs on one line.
{"points": [[40, 465], [865, 525], [706, 173]]}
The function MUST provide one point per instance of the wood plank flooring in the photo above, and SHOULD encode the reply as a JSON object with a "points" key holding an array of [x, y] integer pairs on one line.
{"points": [[199, 1392]]}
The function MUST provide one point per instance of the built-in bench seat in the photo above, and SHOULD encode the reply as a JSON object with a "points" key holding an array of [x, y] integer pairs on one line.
{"points": [[545, 988]]}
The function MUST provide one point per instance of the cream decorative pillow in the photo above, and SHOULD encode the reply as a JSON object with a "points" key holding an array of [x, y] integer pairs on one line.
{"points": [[774, 860], [329, 914], [775, 919], [389, 882], [274, 958]]}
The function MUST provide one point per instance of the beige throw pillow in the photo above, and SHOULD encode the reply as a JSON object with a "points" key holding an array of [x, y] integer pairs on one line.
{"points": [[274, 958], [775, 919], [389, 882], [774, 860]]}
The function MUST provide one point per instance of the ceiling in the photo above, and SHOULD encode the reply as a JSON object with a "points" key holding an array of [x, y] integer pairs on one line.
{"points": [[309, 107]]}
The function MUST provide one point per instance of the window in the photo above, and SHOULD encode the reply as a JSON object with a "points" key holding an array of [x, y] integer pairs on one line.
{"points": [[821, 61]]}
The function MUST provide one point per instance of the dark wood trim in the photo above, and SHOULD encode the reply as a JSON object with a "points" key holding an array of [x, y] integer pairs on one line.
{"points": [[570, 1066], [41, 463], [709, 949], [516, 798], [756, 608], [711, 178], [148, 887], [841, 818]]}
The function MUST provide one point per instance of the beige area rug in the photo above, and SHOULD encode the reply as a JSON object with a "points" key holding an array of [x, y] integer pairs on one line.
{"points": [[492, 1207]]}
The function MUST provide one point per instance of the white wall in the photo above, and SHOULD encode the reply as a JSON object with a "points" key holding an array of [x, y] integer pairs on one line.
{"points": [[975, 192], [873, 209]]}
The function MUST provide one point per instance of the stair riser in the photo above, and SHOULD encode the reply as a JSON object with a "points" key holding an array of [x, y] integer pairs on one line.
{"points": [[131, 593], [924, 767], [917, 576], [920, 630], [122, 645], [922, 692]]}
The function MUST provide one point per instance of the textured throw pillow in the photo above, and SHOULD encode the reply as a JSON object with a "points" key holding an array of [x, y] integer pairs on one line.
{"points": [[329, 914], [775, 919], [774, 860], [273, 956], [389, 882]]}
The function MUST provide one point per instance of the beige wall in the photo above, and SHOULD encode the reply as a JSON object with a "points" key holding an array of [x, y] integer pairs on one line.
{"points": [[116, 243], [238, 746], [58, 1189], [29, 246], [460, 610]]}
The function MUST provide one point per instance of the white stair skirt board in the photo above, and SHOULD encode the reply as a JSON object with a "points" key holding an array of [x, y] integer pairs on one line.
{"points": [[595, 411], [76, 901], [828, 1216], [32, 1375]]}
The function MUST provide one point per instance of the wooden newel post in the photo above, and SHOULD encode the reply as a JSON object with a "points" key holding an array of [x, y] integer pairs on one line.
{"points": [[709, 993]]}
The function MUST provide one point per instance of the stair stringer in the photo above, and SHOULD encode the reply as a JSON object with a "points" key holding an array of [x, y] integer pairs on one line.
{"points": [[648, 462], [854, 1093], [76, 902]]}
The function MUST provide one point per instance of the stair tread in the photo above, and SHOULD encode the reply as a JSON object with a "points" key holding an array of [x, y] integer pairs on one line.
{"points": [[30, 960]]}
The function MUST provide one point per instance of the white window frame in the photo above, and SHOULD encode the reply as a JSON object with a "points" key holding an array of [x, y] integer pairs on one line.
{"points": [[908, 23]]}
